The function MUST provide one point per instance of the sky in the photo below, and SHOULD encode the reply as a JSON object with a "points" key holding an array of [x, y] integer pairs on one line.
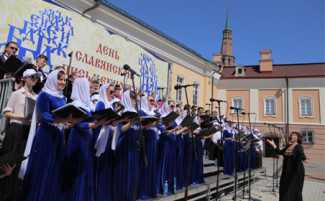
{"points": [[292, 29]]}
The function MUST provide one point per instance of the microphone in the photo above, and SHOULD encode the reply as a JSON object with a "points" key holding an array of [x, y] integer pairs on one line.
{"points": [[243, 113], [212, 99], [235, 108], [128, 68], [176, 87], [70, 54], [161, 88], [122, 74]]}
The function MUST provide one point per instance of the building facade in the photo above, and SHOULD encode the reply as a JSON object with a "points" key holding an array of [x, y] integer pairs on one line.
{"points": [[288, 96]]}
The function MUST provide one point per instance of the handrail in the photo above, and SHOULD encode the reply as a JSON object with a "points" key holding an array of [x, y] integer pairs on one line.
{"points": [[6, 86]]}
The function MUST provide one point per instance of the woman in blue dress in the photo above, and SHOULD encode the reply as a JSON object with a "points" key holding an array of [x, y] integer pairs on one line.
{"points": [[126, 153], [147, 175], [166, 168], [188, 152], [41, 180], [78, 176], [103, 136], [179, 153], [228, 137], [197, 167]]}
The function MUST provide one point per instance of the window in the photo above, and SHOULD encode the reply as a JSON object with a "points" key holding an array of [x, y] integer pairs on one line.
{"points": [[307, 136], [179, 93], [237, 102], [196, 94], [269, 106], [306, 106]]}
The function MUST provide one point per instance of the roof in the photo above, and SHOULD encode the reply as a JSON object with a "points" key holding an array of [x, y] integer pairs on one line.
{"points": [[279, 71], [227, 27]]}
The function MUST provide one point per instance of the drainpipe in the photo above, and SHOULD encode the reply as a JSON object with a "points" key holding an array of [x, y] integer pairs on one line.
{"points": [[91, 8], [287, 115]]}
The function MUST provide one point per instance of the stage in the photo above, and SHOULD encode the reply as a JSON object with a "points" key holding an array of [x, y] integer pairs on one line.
{"points": [[207, 191]]}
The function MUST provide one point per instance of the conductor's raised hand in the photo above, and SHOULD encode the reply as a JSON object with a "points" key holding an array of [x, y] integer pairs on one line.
{"points": [[271, 142]]}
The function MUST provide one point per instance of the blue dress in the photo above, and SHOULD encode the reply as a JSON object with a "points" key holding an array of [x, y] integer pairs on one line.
{"points": [[104, 165], [197, 170], [243, 158], [179, 161], [78, 179], [147, 175], [41, 181], [228, 168], [188, 159], [166, 169], [125, 164]]}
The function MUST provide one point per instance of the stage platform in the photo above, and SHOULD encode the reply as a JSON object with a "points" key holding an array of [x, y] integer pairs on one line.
{"points": [[207, 191]]}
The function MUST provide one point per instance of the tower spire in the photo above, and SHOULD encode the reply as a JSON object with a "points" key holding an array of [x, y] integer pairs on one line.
{"points": [[227, 21], [226, 48]]}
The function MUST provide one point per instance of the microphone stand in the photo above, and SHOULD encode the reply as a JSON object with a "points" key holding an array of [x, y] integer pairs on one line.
{"points": [[140, 143], [276, 163], [220, 147], [70, 61], [193, 144], [249, 159], [273, 164], [235, 150], [124, 80]]}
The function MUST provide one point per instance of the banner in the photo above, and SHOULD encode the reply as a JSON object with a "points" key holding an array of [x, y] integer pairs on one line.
{"points": [[41, 27]]}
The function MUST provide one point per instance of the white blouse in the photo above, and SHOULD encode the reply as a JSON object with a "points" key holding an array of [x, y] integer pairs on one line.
{"points": [[16, 104]]}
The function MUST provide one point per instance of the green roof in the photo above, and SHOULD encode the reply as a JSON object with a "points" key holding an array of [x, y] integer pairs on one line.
{"points": [[227, 21]]}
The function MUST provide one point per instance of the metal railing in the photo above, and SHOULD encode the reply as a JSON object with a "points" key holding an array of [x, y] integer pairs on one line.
{"points": [[6, 86]]}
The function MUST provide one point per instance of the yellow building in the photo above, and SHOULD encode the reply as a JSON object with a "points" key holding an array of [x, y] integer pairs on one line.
{"points": [[288, 96]]}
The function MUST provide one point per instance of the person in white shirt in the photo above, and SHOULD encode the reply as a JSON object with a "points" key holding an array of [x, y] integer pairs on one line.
{"points": [[16, 135], [259, 149]]}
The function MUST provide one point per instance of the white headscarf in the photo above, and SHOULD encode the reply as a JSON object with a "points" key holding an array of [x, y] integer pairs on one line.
{"points": [[51, 84], [128, 107], [103, 94], [126, 102], [102, 139], [80, 93], [50, 87], [179, 120], [145, 106], [165, 109]]}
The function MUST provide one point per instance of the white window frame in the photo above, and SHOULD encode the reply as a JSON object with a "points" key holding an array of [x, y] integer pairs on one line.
{"points": [[275, 106], [306, 132], [198, 94], [181, 91], [311, 98], [232, 103]]}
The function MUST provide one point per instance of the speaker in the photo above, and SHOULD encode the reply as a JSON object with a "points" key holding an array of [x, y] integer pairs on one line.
{"points": [[269, 152]]}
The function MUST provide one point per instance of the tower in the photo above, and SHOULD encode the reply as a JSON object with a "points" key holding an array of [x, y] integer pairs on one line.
{"points": [[226, 48]]}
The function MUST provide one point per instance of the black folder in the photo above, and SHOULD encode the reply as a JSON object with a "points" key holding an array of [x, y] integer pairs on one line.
{"points": [[207, 132], [108, 113], [194, 125], [14, 65], [29, 108], [11, 158], [67, 109], [148, 120], [130, 115], [187, 121], [170, 117]]}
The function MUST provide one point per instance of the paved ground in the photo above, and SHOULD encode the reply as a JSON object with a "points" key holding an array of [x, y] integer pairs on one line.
{"points": [[314, 186]]}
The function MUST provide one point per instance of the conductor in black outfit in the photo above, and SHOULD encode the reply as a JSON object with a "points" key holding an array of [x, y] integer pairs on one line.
{"points": [[293, 172]]}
